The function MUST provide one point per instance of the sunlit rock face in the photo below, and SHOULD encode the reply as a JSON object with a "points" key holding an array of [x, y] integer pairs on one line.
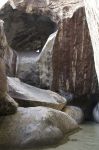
{"points": [[65, 59], [92, 13]]}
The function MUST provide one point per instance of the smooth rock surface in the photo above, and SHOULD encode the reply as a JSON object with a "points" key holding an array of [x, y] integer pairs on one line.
{"points": [[92, 13], [37, 69], [29, 96], [75, 112], [96, 113], [37, 126]]}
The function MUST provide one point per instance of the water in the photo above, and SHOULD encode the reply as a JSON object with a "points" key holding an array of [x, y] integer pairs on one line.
{"points": [[85, 139]]}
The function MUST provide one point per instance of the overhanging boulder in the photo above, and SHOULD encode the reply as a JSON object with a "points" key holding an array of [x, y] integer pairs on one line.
{"points": [[30, 96]]}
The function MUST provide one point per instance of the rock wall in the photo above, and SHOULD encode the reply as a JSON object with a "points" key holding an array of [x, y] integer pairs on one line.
{"points": [[73, 61], [92, 13], [68, 63], [7, 104], [8, 55]]}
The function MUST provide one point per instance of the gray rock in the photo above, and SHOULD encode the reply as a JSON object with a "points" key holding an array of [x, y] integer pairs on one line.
{"points": [[96, 113], [75, 112], [7, 105], [67, 63], [36, 126], [28, 96], [37, 67]]}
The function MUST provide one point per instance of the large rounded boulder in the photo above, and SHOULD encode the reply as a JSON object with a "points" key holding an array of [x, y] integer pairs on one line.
{"points": [[36, 126]]}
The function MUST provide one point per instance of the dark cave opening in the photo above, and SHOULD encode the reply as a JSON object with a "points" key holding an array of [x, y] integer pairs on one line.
{"points": [[27, 32]]}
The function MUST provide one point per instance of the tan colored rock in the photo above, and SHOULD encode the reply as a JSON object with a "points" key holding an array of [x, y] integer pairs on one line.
{"points": [[37, 126], [75, 112], [3, 80], [30, 96], [7, 104]]}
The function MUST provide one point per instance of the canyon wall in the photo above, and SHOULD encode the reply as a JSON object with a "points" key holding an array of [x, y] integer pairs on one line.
{"points": [[67, 63], [92, 13]]}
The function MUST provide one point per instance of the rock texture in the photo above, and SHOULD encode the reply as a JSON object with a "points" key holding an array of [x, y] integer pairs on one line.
{"points": [[27, 32], [75, 112], [37, 126], [29, 96], [73, 62], [7, 104], [67, 62], [9, 55], [92, 13], [37, 69]]}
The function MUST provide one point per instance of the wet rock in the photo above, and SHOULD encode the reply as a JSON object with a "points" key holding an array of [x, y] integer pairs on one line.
{"points": [[37, 126], [29, 96], [75, 112]]}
